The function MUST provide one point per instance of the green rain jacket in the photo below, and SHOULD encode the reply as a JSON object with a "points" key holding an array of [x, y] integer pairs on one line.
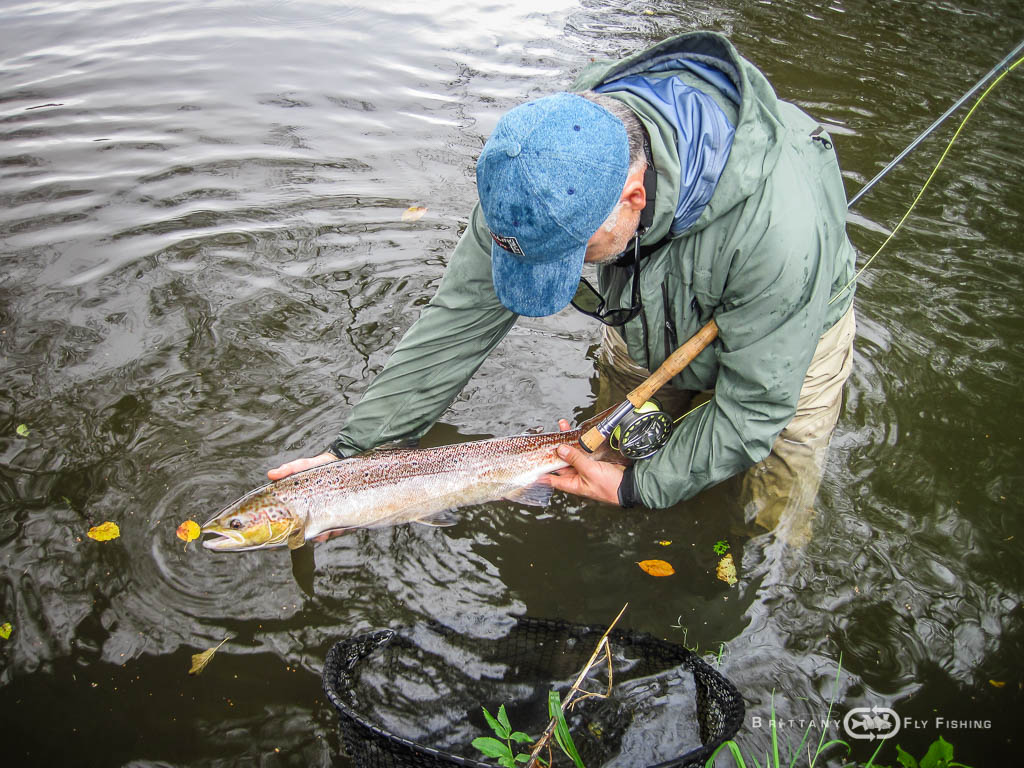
{"points": [[762, 256]]}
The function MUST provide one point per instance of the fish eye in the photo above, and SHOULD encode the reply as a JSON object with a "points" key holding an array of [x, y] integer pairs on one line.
{"points": [[235, 523]]}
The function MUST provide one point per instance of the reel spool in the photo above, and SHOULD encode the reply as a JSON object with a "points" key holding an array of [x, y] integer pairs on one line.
{"points": [[642, 432]]}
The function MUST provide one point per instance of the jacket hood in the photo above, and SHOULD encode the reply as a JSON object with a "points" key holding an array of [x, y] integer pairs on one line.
{"points": [[713, 120]]}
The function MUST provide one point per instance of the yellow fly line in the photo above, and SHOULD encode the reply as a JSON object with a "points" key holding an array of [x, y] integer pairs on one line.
{"points": [[929, 179]]}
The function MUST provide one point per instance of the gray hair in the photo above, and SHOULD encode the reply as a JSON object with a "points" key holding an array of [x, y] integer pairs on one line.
{"points": [[635, 133]]}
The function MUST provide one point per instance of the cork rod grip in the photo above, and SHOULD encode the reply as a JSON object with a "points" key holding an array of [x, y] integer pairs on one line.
{"points": [[673, 364]]}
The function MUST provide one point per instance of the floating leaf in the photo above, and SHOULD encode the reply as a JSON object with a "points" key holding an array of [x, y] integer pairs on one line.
{"points": [[104, 532], [656, 567], [5, 630], [414, 213], [997, 683], [727, 570], [664, 543], [188, 531], [200, 660], [22, 430], [721, 547]]}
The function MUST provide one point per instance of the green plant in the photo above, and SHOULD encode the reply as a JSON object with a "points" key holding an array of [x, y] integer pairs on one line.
{"points": [[773, 760], [557, 728], [562, 735], [491, 747], [939, 755], [502, 750], [721, 547], [714, 657]]}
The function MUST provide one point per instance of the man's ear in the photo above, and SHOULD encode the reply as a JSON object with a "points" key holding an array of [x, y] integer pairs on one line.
{"points": [[634, 195]]}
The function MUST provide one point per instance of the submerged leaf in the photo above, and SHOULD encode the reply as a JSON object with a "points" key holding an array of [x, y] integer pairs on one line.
{"points": [[5, 630], [104, 532], [656, 567], [727, 570], [414, 213], [200, 660], [22, 430], [188, 531]]}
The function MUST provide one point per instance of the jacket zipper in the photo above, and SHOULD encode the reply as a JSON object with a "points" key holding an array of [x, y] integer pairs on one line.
{"points": [[671, 338]]}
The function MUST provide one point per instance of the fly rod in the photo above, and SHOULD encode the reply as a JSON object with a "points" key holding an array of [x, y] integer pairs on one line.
{"points": [[924, 134], [682, 357]]}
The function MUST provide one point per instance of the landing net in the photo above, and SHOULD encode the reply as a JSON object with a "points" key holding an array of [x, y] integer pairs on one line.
{"points": [[414, 697]]}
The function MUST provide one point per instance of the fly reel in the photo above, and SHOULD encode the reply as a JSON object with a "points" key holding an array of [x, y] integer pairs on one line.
{"points": [[642, 431]]}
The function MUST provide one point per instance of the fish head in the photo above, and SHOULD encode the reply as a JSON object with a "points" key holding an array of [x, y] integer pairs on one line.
{"points": [[256, 521]]}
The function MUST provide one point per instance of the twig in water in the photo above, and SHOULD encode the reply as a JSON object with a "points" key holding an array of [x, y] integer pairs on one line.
{"points": [[575, 693]]}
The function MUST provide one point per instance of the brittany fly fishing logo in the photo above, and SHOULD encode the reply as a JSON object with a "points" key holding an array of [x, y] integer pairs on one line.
{"points": [[871, 723]]}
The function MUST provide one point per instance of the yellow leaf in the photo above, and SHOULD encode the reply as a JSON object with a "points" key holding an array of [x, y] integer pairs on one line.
{"points": [[5, 630], [993, 683], [664, 543], [656, 567], [22, 430], [188, 531], [104, 532], [727, 570], [200, 660], [414, 213]]}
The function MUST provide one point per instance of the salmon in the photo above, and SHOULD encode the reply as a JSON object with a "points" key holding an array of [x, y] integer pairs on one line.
{"points": [[391, 487]]}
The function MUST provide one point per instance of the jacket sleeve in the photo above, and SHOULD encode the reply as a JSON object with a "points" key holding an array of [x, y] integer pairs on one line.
{"points": [[770, 320], [438, 355]]}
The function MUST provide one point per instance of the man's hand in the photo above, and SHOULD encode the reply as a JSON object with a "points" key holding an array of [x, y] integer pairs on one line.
{"points": [[300, 464], [584, 476]]}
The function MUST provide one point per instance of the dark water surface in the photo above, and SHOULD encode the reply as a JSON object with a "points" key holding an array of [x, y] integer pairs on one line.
{"points": [[204, 264]]}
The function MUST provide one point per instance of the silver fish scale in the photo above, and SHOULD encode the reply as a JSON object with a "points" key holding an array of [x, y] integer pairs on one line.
{"points": [[386, 487]]}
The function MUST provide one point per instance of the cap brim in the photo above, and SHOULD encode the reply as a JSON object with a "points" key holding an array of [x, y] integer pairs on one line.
{"points": [[536, 290]]}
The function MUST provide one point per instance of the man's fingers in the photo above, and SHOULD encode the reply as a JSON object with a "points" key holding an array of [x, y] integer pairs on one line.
{"points": [[564, 425], [300, 465], [586, 477], [567, 480], [286, 469], [571, 454]]}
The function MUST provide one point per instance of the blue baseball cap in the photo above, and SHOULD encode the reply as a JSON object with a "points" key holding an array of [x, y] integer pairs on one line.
{"points": [[547, 178]]}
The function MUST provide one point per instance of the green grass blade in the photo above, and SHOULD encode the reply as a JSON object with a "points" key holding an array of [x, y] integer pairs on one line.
{"points": [[775, 734], [733, 748], [562, 735]]}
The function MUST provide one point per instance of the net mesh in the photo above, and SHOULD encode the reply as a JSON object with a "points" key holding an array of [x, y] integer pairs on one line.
{"points": [[414, 698]]}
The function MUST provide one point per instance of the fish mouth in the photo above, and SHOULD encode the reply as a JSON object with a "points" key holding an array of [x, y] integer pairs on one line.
{"points": [[225, 540]]}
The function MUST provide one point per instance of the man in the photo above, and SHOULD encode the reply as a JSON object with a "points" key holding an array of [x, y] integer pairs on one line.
{"points": [[699, 195]]}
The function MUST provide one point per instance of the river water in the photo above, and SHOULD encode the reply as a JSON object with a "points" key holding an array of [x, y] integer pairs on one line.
{"points": [[204, 263]]}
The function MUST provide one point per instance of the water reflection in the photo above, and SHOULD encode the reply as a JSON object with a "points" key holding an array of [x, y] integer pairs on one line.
{"points": [[204, 264]]}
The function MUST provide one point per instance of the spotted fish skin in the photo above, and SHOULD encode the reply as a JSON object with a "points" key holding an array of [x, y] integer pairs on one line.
{"points": [[389, 487]]}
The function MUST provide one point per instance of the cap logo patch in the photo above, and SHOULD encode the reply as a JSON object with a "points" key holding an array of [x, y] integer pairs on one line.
{"points": [[510, 244]]}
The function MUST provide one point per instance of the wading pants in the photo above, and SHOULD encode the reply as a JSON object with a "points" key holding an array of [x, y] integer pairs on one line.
{"points": [[776, 493]]}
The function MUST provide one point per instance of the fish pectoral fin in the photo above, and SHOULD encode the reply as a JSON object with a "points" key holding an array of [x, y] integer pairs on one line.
{"points": [[297, 537], [534, 495], [439, 519]]}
